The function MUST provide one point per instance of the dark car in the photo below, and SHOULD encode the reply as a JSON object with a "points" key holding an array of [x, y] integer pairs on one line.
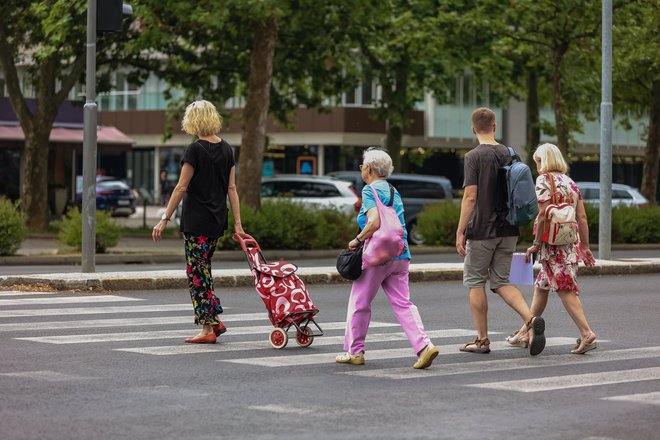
{"points": [[416, 191], [112, 195]]}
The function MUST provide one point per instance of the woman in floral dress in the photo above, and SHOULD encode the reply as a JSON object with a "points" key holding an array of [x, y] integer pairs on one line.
{"points": [[559, 264]]}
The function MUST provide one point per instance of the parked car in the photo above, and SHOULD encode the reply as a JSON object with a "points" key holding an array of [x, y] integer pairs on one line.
{"points": [[416, 191], [112, 194], [621, 194], [312, 191]]}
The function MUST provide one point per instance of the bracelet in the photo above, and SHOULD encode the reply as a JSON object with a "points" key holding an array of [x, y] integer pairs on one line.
{"points": [[536, 243], [358, 240]]}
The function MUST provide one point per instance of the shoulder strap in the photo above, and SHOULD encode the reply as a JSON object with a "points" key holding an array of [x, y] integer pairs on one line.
{"points": [[553, 188], [391, 202]]}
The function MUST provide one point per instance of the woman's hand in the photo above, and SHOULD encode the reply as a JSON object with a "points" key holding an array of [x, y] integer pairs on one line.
{"points": [[238, 229], [587, 256], [531, 251], [157, 232], [353, 244]]}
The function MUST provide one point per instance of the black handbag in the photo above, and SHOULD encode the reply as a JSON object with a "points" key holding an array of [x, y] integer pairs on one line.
{"points": [[349, 263]]}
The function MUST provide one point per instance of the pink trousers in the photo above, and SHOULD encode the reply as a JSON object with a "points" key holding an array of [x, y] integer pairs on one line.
{"points": [[393, 277]]}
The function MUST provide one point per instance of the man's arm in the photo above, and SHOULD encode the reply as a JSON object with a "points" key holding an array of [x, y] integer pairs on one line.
{"points": [[467, 208]]}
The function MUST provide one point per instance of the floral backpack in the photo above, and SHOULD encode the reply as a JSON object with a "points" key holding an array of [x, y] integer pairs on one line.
{"points": [[561, 227]]}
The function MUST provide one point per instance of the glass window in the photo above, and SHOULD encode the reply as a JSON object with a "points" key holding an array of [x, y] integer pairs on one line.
{"points": [[590, 193], [621, 194], [367, 92], [418, 190]]}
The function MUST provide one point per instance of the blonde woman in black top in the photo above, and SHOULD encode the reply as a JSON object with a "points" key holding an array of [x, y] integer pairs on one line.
{"points": [[207, 179]]}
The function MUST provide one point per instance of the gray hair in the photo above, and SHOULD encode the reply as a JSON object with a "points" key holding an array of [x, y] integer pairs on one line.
{"points": [[379, 161]]}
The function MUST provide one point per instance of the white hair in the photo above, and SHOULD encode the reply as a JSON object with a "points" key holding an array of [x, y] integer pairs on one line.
{"points": [[379, 161]]}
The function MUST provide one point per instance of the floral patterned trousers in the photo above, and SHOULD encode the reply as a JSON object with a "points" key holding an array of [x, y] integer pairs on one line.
{"points": [[199, 250]]}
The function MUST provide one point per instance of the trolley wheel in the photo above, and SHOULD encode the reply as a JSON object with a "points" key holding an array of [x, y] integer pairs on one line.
{"points": [[278, 338], [303, 339]]}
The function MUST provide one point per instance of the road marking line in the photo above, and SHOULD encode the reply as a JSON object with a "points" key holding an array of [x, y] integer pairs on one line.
{"points": [[94, 310], [166, 334], [21, 293], [510, 364], [67, 300], [647, 398], [264, 344], [322, 358], [49, 376], [573, 381], [128, 322]]}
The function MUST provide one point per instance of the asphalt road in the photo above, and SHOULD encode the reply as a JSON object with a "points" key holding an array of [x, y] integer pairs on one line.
{"points": [[309, 262], [115, 366]]}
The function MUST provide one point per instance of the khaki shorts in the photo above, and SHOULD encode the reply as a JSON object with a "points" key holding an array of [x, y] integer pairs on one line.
{"points": [[488, 259]]}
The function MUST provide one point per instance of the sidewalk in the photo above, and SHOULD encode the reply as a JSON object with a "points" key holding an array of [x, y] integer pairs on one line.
{"points": [[176, 279]]}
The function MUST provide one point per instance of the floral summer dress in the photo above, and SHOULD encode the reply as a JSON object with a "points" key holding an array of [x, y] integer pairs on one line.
{"points": [[559, 264]]}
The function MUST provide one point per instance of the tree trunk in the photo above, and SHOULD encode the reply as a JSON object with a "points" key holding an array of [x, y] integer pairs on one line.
{"points": [[393, 143], [396, 119], [533, 119], [562, 129], [652, 153], [34, 179], [255, 112]]}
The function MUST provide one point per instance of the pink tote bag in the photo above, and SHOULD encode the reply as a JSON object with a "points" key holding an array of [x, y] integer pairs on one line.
{"points": [[387, 242]]}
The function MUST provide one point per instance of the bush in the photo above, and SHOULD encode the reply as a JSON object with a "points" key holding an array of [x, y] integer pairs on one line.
{"points": [[12, 227], [284, 224], [438, 223], [108, 233]]}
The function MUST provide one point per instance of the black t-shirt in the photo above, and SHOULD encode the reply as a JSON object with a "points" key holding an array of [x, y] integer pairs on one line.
{"points": [[205, 203], [482, 168]]}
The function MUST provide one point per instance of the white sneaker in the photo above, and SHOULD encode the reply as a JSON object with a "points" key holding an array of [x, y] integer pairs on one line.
{"points": [[347, 358]]}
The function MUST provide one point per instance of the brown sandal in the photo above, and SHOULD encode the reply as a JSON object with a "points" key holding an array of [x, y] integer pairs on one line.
{"points": [[480, 346]]}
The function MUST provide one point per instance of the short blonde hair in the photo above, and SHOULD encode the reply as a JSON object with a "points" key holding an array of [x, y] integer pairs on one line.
{"points": [[201, 119], [379, 161], [551, 159]]}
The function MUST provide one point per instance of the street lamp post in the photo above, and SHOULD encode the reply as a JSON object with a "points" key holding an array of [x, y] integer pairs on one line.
{"points": [[89, 148], [605, 210]]}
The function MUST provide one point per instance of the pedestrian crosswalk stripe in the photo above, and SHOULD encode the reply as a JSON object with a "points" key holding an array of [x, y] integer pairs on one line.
{"points": [[46, 375], [21, 293], [128, 322], [322, 358], [66, 300], [648, 398], [167, 334], [573, 380], [511, 364], [94, 310], [223, 345]]}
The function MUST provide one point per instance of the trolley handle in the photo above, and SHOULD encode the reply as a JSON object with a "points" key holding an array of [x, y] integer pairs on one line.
{"points": [[245, 241]]}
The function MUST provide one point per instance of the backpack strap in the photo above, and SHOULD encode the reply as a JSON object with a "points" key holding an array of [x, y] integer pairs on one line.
{"points": [[553, 188]]}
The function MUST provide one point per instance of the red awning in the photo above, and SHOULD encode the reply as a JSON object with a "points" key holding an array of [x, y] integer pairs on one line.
{"points": [[105, 135]]}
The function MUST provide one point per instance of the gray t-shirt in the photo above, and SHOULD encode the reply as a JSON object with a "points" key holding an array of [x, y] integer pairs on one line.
{"points": [[482, 168]]}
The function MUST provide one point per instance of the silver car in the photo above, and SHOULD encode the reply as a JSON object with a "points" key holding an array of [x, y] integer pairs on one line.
{"points": [[312, 191], [621, 194]]}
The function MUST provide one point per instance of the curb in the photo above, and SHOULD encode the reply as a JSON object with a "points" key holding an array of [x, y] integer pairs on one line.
{"points": [[143, 256], [175, 279]]}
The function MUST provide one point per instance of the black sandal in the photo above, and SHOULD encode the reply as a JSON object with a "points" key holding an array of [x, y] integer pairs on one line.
{"points": [[481, 346], [536, 336]]}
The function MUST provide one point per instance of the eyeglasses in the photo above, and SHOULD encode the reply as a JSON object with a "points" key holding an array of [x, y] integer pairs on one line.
{"points": [[362, 166]]}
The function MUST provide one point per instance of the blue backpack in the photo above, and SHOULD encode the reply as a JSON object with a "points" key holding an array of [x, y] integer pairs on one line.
{"points": [[520, 192]]}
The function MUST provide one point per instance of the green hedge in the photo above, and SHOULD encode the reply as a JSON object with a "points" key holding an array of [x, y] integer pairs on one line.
{"points": [[438, 224], [12, 227], [108, 232], [286, 225]]}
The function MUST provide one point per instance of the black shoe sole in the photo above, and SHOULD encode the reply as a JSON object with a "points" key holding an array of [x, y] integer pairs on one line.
{"points": [[221, 331], [538, 341]]}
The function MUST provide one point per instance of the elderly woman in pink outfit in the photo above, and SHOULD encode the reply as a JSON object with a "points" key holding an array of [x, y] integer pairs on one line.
{"points": [[392, 276], [559, 263]]}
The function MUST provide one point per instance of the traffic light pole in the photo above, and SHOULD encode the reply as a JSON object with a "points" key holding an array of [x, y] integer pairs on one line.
{"points": [[605, 210], [88, 264]]}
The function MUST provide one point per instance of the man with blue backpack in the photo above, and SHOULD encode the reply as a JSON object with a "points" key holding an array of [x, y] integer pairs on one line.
{"points": [[498, 197]]}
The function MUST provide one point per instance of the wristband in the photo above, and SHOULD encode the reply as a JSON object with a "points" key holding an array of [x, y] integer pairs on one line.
{"points": [[358, 240], [536, 243]]}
